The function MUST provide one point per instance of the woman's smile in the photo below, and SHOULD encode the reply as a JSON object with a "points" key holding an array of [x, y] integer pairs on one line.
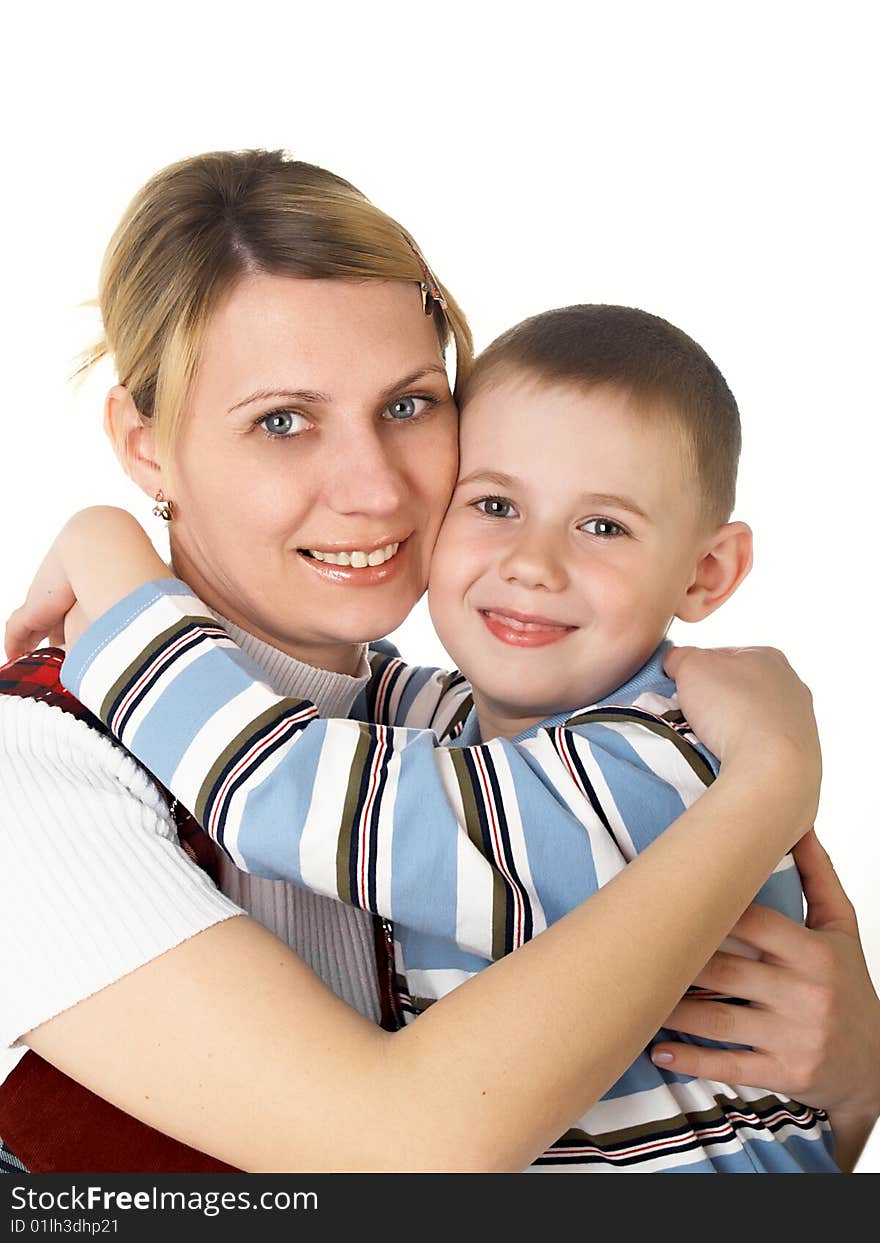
{"points": [[357, 558], [359, 567]]}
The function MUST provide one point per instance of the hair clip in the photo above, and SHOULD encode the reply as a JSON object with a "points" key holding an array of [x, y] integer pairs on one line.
{"points": [[430, 299], [432, 294]]}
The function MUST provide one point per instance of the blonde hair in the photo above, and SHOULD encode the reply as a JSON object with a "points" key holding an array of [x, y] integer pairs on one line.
{"points": [[199, 225]]}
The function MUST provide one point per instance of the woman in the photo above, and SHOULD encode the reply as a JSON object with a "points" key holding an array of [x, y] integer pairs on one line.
{"points": [[224, 351]]}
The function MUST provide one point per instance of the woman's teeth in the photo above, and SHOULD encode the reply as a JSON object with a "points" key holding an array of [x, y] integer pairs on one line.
{"points": [[357, 560]]}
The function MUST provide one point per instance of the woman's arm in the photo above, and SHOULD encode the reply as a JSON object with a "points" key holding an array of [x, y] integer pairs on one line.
{"points": [[484, 1080], [814, 1024], [493, 1072]]}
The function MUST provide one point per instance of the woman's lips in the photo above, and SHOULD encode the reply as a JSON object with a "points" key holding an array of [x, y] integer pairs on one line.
{"points": [[523, 629], [361, 576]]}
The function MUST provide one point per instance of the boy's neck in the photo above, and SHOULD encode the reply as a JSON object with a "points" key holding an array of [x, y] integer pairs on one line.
{"points": [[498, 725], [499, 721]]}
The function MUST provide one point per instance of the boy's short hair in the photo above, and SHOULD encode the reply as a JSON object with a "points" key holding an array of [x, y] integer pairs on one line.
{"points": [[656, 363]]}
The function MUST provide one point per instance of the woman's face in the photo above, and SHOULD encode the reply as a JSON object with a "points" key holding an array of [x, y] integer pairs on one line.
{"points": [[320, 425]]}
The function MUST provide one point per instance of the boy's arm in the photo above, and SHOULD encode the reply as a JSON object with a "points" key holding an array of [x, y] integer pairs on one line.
{"points": [[482, 846], [378, 817], [99, 556], [415, 696]]}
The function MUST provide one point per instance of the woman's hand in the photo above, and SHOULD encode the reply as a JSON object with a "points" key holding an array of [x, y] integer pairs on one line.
{"points": [[814, 1022], [99, 556], [752, 710]]}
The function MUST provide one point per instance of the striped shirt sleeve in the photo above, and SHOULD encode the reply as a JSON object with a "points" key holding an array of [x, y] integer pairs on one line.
{"points": [[482, 846], [416, 696]]}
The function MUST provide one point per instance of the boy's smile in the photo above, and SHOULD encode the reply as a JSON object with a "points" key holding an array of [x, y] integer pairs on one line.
{"points": [[574, 535], [523, 629]]}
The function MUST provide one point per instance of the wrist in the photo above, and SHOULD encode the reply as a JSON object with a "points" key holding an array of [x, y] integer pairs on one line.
{"points": [[784, 771]]}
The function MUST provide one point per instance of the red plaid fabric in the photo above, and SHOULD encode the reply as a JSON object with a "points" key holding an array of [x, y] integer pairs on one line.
{"points": [[51, 1123]]}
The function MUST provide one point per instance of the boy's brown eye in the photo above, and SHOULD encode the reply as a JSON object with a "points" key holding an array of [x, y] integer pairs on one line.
{"points": [[495, 506], [604, 527]]}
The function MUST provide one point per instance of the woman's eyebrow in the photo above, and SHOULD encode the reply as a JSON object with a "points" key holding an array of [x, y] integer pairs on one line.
{"points": [[286, 394], [404, 382], [310, 396]]}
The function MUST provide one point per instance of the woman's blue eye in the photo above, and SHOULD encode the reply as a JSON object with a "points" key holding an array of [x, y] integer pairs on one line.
{"points": [[604, 527], [282, 423], [495, 506], [405, 408]]}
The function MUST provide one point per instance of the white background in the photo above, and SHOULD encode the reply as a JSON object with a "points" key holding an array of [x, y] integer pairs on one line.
{"points": [[712, 163]]}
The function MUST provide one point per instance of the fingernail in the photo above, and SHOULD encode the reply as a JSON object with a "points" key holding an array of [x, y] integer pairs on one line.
{"points": [[661, 1058]]}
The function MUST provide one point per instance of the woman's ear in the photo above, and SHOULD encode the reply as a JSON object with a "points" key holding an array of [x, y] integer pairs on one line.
{"points": [[722, 567], [133, 440]]}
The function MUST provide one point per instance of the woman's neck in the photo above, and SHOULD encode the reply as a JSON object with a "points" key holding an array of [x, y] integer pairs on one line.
{"points": [[347, 658], [334, 657]]}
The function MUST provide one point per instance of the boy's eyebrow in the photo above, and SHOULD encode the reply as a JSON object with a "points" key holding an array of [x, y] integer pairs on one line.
{"points": [[614, 502], [309, 396], [590, 499], [488, 476]]}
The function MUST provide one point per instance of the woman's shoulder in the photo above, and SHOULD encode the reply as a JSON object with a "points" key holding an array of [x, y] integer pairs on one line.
{"points": [[53, 751], [96, 882]]}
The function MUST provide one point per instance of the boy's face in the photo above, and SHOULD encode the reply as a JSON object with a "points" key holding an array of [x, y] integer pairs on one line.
{"points": [[572, 535]]}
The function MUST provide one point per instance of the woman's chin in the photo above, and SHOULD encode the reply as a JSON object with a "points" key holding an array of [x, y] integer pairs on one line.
{"points": [[369, 624], [361, 604]]}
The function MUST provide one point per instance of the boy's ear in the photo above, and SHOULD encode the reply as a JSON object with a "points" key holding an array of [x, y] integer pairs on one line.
{"points": [[133, 440], [720, 570]]}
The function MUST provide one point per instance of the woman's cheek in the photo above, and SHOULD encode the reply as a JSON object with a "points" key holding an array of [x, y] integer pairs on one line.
{"points": [[442, 454]]}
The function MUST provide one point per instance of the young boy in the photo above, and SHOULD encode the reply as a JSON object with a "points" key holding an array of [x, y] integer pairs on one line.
{"points": [[599, 448]]}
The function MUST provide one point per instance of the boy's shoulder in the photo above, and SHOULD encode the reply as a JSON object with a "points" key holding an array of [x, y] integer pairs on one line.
{"points": [[649, 693], [645, 707]]}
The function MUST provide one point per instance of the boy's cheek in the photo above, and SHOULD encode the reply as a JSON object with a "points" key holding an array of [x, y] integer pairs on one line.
{"points": [[445, 616]]}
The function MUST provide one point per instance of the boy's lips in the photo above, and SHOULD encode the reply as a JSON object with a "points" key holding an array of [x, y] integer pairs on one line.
{"points": [[524, 629]]}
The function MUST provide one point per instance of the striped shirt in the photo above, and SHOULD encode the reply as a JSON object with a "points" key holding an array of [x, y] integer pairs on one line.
{"points": [[470, 847]]}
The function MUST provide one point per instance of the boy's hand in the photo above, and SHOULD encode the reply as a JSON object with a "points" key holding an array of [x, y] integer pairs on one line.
{"points": [[49, 599], [100, 556]]}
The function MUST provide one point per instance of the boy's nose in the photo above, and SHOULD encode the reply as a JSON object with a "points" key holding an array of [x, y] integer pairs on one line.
{"points": [[535, 561]]}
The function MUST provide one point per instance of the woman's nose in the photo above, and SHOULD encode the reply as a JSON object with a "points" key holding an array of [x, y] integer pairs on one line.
{"points": [[366, 476], [535, 559]]}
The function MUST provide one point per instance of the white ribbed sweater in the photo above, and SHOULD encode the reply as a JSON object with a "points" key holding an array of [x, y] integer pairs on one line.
{"points": [[93, 883]]}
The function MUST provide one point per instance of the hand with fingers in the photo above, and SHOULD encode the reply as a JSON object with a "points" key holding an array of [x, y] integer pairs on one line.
{"points": [[49, 599], [718, 689], [99, 556], [813, 1025]]}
